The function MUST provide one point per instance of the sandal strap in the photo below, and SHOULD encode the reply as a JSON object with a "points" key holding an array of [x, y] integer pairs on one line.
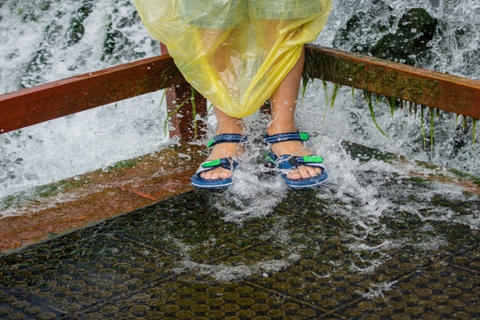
{"points": [[227, 163], [227, 138], [288, 162], [290, 136]]}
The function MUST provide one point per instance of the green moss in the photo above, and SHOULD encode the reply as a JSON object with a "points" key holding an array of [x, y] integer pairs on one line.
{"points": [[36, 194], [368, 97], [336, 88], [363, 153], [390, 78], [44, 5], [167, 75], [417, 181], [393, 102], [427, 165], [329, 68], [130, 163], [432, 129], [467, 176], [11, 201], [439, 200], [47, 191], [325, 90], [415, 90], [433, 88], [474, 133], [422, 128], [381, 80]]}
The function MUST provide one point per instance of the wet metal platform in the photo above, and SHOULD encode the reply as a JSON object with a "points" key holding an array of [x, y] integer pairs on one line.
{"points": [[309, 258], [411, 254]]}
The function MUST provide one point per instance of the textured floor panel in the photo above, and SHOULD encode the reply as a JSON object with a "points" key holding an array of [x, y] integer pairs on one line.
{"points": [[12, 307], [439, 291], [187, 297], [189, 227], [81, 269], [314, 256]]}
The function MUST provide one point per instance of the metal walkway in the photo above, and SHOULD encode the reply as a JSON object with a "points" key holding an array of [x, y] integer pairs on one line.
{"points": [[307, 259]]}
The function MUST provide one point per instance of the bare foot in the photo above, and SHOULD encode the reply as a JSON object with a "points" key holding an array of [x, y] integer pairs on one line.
{"points": [[222, 150], [296, 148]]}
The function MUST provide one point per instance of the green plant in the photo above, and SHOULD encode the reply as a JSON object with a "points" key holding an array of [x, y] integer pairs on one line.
{"points": [[368, 97]]}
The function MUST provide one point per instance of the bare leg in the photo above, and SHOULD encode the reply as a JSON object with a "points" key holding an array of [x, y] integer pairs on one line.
{"points": [[218, 56], [216, 49], [284, 101], [226, 124]]}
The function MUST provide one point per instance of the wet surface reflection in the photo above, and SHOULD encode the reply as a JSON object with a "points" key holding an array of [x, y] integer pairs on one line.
{"points": [[308, 258]]}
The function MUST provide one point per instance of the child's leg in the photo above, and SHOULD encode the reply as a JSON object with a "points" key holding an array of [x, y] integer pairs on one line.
{"points": [[284, 101], [217, 52], [219, 58], [226, 124]]}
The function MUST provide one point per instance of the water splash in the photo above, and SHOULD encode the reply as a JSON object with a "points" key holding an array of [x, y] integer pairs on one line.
{"points": [[57, 40], [60, 39]]}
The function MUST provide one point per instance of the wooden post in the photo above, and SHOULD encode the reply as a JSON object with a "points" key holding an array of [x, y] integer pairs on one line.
{"points": [[183, 123]]}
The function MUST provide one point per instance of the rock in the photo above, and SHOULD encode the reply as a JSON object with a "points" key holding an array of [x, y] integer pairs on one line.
{"points": [[357, 34], [77, 28], [408, 44], [415, 30]]}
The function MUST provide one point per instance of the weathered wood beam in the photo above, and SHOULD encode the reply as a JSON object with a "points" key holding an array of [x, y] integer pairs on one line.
{"points": [[60, 98], [424, 87]]}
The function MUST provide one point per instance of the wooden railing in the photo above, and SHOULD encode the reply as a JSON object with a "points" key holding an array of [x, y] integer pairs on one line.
{"points": [[423, 87], [60, 98]]}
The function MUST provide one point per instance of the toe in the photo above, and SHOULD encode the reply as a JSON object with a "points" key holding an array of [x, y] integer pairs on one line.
{"points": [[218, 173], [304, 172], [225, 174], [294, 174], [214, 175], [312, 171]]}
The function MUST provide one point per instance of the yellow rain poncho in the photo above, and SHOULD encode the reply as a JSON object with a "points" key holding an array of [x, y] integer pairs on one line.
{"points": [[235, 52]]}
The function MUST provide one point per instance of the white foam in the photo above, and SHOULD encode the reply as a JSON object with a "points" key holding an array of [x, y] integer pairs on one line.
{"points": [[223, 272]]}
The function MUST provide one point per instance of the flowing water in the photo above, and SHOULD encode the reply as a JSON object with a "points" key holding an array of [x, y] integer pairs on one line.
{"points": [[43, 41]]}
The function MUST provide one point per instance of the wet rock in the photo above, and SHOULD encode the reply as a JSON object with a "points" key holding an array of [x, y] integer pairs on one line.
{"points": [[44, 5], [76, 25], [349, 37], [116, 41], [415, 30], [408, 44]]}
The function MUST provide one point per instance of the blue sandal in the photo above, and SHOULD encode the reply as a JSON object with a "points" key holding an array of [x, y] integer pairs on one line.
{"points": [[227, 163], [286, 163]]}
